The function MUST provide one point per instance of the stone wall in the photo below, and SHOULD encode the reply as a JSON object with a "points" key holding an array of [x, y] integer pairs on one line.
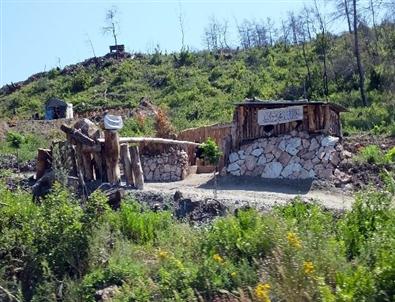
{"points": [[296, 156], [169, 166]]}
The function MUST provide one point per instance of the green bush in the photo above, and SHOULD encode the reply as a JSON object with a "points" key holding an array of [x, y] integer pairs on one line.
{"points": [[371, 154], [390, 155]]}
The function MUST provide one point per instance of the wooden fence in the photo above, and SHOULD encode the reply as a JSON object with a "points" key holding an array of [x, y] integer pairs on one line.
{"points": [[220, 133]]}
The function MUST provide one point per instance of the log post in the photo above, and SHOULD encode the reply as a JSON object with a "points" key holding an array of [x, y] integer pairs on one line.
{"points": [[136, 168], [85, 162], [112, 155], [43, 162], [327, 119], [127, 164]]}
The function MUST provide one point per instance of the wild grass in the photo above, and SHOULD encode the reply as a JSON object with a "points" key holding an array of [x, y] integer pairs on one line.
{"points": [[297, 252]]}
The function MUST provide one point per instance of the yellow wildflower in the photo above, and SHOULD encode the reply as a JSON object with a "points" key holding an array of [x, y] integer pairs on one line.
{"points": [[233, 274], [218, 258], [262, 291], [294, 240], [163, 255], [308, 267]]}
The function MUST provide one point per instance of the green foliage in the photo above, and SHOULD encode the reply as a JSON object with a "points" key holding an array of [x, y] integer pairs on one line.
{"points": [[15, 139], [296, 251], [210, 151], [138, 127], [142, 226], [371, 154], [390, 155]]}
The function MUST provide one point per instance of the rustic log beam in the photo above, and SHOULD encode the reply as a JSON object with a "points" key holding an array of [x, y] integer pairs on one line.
{"points": [[77, 135], [44, 160], [156, 140], [127, 164], [136, 167], [112, 155]]}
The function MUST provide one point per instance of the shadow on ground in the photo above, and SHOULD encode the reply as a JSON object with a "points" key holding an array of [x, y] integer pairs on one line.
{"points": [[249, 183]]}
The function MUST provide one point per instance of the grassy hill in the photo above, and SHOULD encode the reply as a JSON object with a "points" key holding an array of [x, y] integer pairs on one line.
{"points": [[199, 88]]}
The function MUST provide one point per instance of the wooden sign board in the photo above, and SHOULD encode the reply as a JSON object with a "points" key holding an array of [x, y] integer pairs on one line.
{"points": [[280, 115]]}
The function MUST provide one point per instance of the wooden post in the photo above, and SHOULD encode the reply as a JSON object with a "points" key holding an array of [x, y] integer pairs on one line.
{"points": [[136, 167], [127, 164], [43, 162], [327, 119], [112, 155]]}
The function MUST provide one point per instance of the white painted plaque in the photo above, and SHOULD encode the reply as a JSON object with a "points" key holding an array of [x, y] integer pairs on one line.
{"points": [[280, 115]]}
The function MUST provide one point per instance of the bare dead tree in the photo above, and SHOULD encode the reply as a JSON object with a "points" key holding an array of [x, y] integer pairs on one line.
{"points": [[112, 25], [293, 27], [323, 41], [358, 54], [215, 34], [271, 30], [343, 10], [181, 20]]}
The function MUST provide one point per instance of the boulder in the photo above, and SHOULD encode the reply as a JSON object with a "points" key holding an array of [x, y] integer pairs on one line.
{"points": [[250, 162], [233, 167], [314, 145], [329, 141], [284, 158], [290, 169], [233, 157], [262, 160], [272, 170], [293, 144], [257, 152]]}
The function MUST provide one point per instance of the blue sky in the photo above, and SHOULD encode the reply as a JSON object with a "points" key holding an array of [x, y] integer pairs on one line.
{"points": [[37, 35]]}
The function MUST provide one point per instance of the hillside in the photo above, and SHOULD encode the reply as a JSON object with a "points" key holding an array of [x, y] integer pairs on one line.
{"points": [[201, 87]]}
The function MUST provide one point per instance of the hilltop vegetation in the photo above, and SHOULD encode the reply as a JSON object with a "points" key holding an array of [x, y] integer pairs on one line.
{"points": [[201, 87]]}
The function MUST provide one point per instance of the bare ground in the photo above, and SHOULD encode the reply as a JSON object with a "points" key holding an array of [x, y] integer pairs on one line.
{"points": [[260, 193]]}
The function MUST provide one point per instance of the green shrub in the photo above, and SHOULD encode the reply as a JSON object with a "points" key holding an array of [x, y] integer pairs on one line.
{"points": [[141, 225], [390, 155], [371, 154], [15, 139]]}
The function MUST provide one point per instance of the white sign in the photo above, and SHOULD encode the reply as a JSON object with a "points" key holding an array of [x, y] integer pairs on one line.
{"points": [[280, 115], [113, 122]]}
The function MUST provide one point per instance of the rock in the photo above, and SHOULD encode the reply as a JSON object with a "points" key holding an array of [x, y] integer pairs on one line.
{"points": [[235, 173], [250, 162], [106, 294], [334, 158], [233, 157], [269, 157], [272, 170], [282, 145], [241, 154], [258, 170], [166, 168], [284, 158], [290, 169], [233, 167], [326, 173], [329, 141], [257, 152], [156, 174], [248, 150], [269, 148], [308, 164], [293, 144], [305, 143], [345, 154], [314, 144], [262, 160], [308, 155], [149, 176], [294, 133], [243, 170], [277, 153]]}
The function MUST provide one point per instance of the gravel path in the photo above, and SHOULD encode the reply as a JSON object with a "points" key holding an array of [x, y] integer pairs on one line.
{"points": [[257, 192]]}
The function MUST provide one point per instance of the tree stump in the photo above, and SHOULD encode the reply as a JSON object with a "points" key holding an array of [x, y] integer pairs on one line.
{"points": [[136, 167], [127, 164], [112, 155]]}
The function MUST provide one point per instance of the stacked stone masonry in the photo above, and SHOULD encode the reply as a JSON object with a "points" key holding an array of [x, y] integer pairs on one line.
{"points": [[170, 166], [296, 156]]}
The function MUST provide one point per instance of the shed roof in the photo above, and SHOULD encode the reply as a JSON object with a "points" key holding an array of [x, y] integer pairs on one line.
{"points": [[55, 102], [284, 103]]}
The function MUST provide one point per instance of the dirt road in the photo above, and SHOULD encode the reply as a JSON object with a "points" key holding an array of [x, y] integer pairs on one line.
{"points": [[257, 192]]}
